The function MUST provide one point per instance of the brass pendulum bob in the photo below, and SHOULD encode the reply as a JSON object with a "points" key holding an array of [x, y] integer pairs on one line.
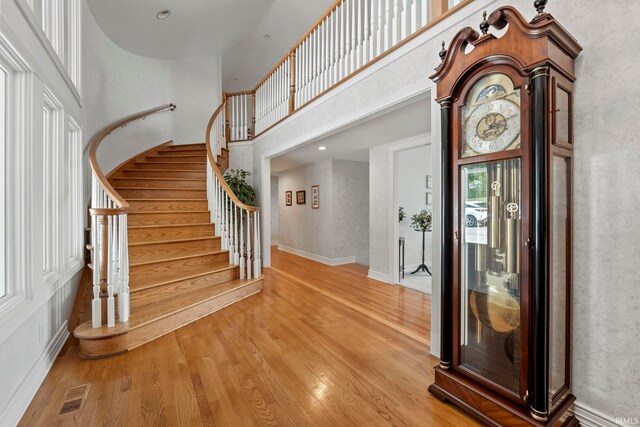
{"points": [[512, 249], [495, 210]]}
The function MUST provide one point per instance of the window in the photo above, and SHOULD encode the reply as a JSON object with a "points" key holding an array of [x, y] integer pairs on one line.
{"points": [[3, 98], [53, 24], [51, 140], [72, 184], [16, 82]]}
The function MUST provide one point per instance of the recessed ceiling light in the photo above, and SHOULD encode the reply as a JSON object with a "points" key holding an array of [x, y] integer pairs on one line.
{"points": [[163, 14], [322, 148], [266, 36]]}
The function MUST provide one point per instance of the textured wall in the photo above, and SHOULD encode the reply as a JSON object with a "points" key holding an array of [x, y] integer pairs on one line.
{"points": [[380, 234], [275, 217], [339, 228], [350, 189], [307, 229]]}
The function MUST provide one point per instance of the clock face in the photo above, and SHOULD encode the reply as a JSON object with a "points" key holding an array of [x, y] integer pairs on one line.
{"points": [[491, 117]]}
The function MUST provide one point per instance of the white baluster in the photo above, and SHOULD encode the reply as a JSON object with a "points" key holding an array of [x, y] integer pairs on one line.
{"points": [[249, 259], [236, 254], [424, 12], [342, 42], [405, 15], [232, 248], [124, 297], [111, 307], [397, 21], [359, 34], [335, 47], [256, 246], [366, 31], [242, 248]]}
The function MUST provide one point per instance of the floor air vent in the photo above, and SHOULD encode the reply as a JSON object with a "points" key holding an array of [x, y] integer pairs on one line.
{"points": [[74, 399]]}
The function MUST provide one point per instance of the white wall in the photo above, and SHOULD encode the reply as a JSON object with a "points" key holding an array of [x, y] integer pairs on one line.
{"points": [[350, 194], [606, 157], [412, 166], [275, 217], [39, 224], [119, 83], [337, 232]]}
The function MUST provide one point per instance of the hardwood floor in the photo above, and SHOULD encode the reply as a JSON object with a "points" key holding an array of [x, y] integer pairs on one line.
{"points": [[319, 346]]}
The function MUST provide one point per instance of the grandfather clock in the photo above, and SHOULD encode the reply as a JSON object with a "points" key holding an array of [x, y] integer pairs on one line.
{"points": [[507, 147]]}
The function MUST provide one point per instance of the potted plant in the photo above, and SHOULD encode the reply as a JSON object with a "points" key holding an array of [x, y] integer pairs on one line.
{"points": [[422, 221], [237, 181]]}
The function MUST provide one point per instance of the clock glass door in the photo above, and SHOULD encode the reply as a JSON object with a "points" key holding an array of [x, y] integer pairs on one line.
{"points": [[490, 271]]}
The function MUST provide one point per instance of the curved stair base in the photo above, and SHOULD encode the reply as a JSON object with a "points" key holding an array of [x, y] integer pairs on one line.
{"points": [[147, 326]]}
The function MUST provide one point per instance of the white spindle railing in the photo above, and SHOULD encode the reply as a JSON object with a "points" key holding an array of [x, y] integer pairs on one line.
{"points": [[272, 96], [351, 34], [240, 112], [109, 238], [236, 224]]}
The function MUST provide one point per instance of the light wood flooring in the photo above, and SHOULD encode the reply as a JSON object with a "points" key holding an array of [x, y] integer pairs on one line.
{"points": [[319, 346]]}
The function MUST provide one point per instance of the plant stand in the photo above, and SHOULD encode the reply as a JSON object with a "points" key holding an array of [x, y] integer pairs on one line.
{"points": [[422, 266]]}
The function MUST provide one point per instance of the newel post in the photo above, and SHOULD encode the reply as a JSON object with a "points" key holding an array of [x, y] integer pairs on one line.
{"points": [[292, 86], [253, 114], [227, 126]]}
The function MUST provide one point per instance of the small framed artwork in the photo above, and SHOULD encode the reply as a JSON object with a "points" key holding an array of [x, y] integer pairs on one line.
{"points": [[301, 197], [315, 197], [429, 198], [429, 182], [288, 198]]}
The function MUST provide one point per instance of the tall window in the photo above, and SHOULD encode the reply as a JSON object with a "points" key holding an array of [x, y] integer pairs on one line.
{"points": [[52, 134], [3, 92]]}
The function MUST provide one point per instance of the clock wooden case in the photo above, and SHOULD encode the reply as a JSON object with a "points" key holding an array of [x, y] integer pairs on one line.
{"points": [[507, 147]]}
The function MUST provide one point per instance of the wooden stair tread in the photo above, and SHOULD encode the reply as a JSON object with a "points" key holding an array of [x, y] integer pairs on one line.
{"points": [[194, 274], [158, 188], [167, 225], [147, 314], [166, 212], [159, 170], [151, 274], [143, 178], [164, 242], [178, 258]]}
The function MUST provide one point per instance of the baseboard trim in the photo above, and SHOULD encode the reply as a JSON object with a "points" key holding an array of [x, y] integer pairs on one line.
{"points": [[274, 243], [21, 399], [590, 417], [319, 258], [380, 277]]}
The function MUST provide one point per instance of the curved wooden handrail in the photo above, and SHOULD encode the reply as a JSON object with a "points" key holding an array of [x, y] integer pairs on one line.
{"points": [[97, 139], [214, 165]]}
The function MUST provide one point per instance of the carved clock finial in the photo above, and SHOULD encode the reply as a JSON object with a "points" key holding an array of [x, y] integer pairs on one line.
{"points": [[540, 5], [443, 52], [484, 25]]}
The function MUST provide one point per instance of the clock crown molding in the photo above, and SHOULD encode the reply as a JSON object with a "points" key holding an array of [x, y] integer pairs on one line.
{"points": [[550, 43]]}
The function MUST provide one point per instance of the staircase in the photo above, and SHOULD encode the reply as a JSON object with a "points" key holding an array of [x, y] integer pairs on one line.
{"points": [[178, 272]]}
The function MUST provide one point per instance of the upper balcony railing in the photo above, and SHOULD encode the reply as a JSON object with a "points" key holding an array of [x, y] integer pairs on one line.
{"points": [[350, 36]]}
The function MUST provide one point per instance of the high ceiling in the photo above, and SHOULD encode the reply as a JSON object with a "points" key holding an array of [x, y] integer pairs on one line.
{"points": [[235, 28], [354, 142]]}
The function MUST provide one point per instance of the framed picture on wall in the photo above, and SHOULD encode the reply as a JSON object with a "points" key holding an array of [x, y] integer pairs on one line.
{"points": [[429, 182], [301, 197], [429, 198], [288, 198], [315, 197]]}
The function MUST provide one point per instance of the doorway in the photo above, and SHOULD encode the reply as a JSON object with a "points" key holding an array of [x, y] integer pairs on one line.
{"points": [[413, 208]]}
